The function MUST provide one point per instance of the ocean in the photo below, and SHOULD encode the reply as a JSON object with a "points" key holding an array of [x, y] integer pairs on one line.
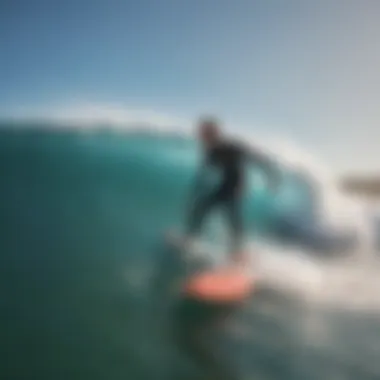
{"points": [[90, 290]]}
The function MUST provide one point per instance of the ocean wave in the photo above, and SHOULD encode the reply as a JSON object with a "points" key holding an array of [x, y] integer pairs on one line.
{"points": [[308, 210]]}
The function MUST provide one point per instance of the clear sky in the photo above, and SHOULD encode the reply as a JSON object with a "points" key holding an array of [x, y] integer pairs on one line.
{"points": [[307, 70]]}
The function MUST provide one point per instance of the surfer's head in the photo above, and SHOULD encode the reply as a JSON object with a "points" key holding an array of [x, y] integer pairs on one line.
{"points": [[209, 131]]}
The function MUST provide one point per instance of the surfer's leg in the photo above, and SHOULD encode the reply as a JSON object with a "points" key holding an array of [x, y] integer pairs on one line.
{"points": [[235, 218], [198, 213]]}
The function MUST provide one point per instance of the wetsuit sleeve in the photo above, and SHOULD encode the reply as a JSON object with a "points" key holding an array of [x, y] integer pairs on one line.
{"points": [[256, 157]]}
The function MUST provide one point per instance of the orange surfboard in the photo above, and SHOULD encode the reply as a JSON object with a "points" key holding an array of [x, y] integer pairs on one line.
{"points": [[229, 284], [222, 285]]}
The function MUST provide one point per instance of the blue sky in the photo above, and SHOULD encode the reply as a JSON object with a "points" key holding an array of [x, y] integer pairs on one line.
{"points": [[308, 70]]}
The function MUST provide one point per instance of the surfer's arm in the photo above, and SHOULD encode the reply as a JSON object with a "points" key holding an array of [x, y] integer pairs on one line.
{"points": [[258, 158]]}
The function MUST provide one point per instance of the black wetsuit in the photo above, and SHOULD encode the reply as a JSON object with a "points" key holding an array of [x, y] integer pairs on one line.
{"points": [[229, 158]]}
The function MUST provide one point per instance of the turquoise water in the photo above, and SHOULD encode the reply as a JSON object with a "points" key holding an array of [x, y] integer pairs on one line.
{"points": [[90, 291]]}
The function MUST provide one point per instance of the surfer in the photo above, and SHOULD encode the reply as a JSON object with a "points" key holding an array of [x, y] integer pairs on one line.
{"points": [[229, 157]]}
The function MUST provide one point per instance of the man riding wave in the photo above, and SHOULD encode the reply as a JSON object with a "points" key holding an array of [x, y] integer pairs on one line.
{"points": [[229, 157]]}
